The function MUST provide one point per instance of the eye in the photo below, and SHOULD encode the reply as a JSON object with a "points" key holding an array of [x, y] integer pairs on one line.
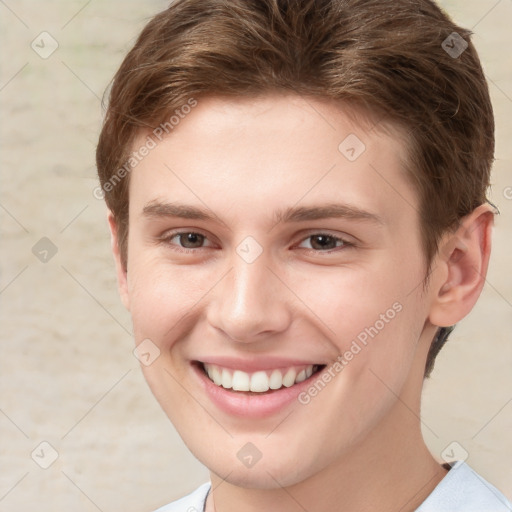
{"points": [[323, 242], [187, 240]]}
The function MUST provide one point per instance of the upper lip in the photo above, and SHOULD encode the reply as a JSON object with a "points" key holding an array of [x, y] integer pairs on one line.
{"points": [[256, 363]]}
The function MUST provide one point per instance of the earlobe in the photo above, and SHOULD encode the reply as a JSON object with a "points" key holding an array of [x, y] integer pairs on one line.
{"points": [[462, 264], [122, 276]]}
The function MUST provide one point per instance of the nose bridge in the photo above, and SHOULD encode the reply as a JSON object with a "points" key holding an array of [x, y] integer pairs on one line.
{"points": [[250, 286], [250, 301]]}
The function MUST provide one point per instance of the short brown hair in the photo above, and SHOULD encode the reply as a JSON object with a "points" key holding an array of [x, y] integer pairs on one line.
{"points": [[403, 61]]}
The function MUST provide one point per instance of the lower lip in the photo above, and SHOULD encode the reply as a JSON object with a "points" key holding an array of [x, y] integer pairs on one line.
{"points": [[251, 405]]}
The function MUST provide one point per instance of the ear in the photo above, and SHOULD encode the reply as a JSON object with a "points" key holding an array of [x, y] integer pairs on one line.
{"points": [[461, 265], [122, 275]]}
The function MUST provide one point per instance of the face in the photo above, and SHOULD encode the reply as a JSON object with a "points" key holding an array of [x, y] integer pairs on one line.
{"points": [[270, 250]]}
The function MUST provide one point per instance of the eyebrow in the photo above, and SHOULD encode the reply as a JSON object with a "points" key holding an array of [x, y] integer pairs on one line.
{"points": [[157, 209], [333, 210]]}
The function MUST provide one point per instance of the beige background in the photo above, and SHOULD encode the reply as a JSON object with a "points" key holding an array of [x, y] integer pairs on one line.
{"points": [[67, 373]]}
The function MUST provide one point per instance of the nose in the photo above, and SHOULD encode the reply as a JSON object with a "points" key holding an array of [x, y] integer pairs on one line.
{"points": [[250, 303]]}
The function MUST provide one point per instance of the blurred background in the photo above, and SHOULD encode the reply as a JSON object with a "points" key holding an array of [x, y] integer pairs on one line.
{"points": [[79, 428]]}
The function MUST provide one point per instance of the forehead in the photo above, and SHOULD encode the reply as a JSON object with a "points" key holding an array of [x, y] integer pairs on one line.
{"points": [[248, 154]]}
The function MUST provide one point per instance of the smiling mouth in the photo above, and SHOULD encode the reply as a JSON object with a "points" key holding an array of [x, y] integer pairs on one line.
{"points": [[262, 381]]}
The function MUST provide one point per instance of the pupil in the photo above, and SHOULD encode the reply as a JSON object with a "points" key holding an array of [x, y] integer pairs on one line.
{"points": [[191, 240], [323, 242]]}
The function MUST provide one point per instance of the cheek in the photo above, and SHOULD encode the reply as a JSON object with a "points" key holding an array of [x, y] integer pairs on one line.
{"points": [[163, 297], [350, 299], [374, 317]]}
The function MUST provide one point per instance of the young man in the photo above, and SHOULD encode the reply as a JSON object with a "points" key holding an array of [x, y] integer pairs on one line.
{"points": [[296, 195]]}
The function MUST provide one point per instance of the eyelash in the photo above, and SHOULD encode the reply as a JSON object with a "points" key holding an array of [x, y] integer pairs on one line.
{"points": [[166, 239]]}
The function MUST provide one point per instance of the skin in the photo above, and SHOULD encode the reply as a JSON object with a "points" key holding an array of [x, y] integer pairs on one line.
{"points": [[357, 445]]}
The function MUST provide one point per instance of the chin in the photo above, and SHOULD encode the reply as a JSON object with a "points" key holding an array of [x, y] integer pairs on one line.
{"points": [[280, 468]]}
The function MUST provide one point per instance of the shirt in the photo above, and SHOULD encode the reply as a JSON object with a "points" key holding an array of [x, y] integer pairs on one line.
{"points": [[461, 490]]}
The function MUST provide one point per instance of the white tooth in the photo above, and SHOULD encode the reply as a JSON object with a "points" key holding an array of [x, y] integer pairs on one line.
{"points": [[227, 379], [289, 378], [216, 376], [259, 382], [301, 376], [208, 369], [241, 381], [276, 380]]}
